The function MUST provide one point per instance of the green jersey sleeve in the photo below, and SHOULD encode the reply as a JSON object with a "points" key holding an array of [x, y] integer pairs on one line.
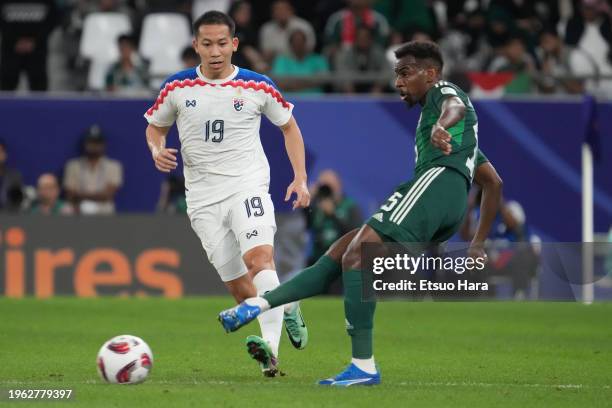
{"points": [[440, 92], [480, 158]]}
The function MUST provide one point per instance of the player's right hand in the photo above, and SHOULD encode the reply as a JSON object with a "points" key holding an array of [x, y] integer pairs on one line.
{"points": [[441, 139], [165, 160]]}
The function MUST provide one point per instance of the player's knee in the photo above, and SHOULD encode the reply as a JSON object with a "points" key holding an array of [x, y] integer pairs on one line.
{"points": [[258, 259]]}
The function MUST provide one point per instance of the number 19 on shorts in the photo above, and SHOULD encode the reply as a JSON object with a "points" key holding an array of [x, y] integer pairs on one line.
{"points": [[254, 207]]}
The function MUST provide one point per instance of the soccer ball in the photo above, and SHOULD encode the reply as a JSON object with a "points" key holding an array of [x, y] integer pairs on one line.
{"points": [[125, 359]]}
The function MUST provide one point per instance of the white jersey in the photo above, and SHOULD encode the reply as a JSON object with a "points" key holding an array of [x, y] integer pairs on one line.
{"points": [[218, 123]]}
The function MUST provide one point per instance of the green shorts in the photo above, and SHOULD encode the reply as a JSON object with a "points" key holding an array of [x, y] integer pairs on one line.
{"points": [[428, 208]]}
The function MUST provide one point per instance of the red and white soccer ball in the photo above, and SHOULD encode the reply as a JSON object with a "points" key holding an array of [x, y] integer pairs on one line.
{"points": [[125, 359]]}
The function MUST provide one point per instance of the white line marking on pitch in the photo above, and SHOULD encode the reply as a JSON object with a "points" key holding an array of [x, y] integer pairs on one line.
{"points": [[481, 384], [403, 384]]}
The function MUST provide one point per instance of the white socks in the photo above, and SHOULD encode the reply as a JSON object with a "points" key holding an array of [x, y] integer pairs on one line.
{"points": [[366, 365], [258, 301], [271, 322], [265, 306]]}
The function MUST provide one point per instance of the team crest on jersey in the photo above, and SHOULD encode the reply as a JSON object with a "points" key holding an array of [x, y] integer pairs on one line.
{"points": [[238, 104]]}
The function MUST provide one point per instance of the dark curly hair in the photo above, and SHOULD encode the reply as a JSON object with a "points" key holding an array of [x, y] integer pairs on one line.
{"points": [[422, 51]]}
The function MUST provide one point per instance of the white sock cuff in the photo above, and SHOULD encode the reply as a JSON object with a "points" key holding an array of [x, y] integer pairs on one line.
{"points": [[259, 301], [367, 364], [266, 280]]}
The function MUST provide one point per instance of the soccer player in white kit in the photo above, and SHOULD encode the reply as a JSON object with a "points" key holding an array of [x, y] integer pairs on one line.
{"points": [[217, 108]]}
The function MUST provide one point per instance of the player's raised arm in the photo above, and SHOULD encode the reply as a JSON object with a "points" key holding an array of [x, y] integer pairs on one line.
{"points": [[453, 110], [294, 143], [164, 158], [487, 178]]}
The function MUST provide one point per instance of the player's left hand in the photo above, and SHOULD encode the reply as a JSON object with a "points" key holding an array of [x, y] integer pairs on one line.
{"points": [[301, 190], [441, 139], [476, 250]]}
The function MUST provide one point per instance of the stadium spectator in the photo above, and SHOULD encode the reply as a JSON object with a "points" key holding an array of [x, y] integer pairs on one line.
{"points": [[333, 213], [464, 44], [25, 28], [247, 56], [301, 63], [558, 60], [73, 19], [11, 187], [513, 58], [164, 6], [342, 26], [172, 198], [130, 74], [47, 197], [189, 57], [274, 35], [590, 30], [92, 180], [517, 17], [365, 57], [202, 6], [407, 16]]}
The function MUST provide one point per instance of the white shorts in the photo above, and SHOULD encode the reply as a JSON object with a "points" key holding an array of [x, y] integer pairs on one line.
{"points": [[231, 228]]}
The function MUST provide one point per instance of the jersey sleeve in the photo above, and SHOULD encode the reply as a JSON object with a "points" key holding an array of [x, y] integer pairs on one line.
{"points": [[480, 158], [164, 111], [440, 93], [275, 107]]}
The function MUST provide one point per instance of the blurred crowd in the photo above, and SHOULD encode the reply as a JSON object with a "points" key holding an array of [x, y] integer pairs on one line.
{"points": [[88, 186], [490, 47]]}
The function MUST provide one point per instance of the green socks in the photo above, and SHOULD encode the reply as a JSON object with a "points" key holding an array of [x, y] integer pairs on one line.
{"points": [[315, 280], [359, 315], [312, 281]]}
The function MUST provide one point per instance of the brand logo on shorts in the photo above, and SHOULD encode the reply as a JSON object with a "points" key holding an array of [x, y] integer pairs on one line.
{"points": [[378, 217], [238, 104], [189, 103], [251, 234]]}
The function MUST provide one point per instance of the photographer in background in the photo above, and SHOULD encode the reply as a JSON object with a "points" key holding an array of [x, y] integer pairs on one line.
{"points": [[333, 214], [11, 186]]}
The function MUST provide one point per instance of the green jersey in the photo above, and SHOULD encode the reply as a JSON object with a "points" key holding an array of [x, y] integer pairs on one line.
{"points": [[480, 158], [464, 134]]}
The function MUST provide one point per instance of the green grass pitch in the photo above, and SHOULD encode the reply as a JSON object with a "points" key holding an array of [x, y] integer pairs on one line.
{"points": [[430, 354]]}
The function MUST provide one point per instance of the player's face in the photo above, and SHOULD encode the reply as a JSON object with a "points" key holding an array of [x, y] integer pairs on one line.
{"points": [[215, 46], [412, 79]]}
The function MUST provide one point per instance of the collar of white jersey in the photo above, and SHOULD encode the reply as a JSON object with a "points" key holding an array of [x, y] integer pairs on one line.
{"points": [[217, 81]]}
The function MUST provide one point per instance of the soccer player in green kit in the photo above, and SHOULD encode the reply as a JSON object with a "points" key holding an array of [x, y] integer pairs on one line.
{"points": [[429, 208]]}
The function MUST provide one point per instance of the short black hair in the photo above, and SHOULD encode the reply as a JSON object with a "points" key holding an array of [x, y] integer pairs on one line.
{"points": [[512, 37], [421, 50], [189, 52], [214, 17], [127, 38]]}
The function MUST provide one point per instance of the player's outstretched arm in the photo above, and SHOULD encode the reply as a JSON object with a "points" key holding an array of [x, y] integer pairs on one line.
{"points": [[294, 144], [453, 110], [487, 178], [164, 158]]}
